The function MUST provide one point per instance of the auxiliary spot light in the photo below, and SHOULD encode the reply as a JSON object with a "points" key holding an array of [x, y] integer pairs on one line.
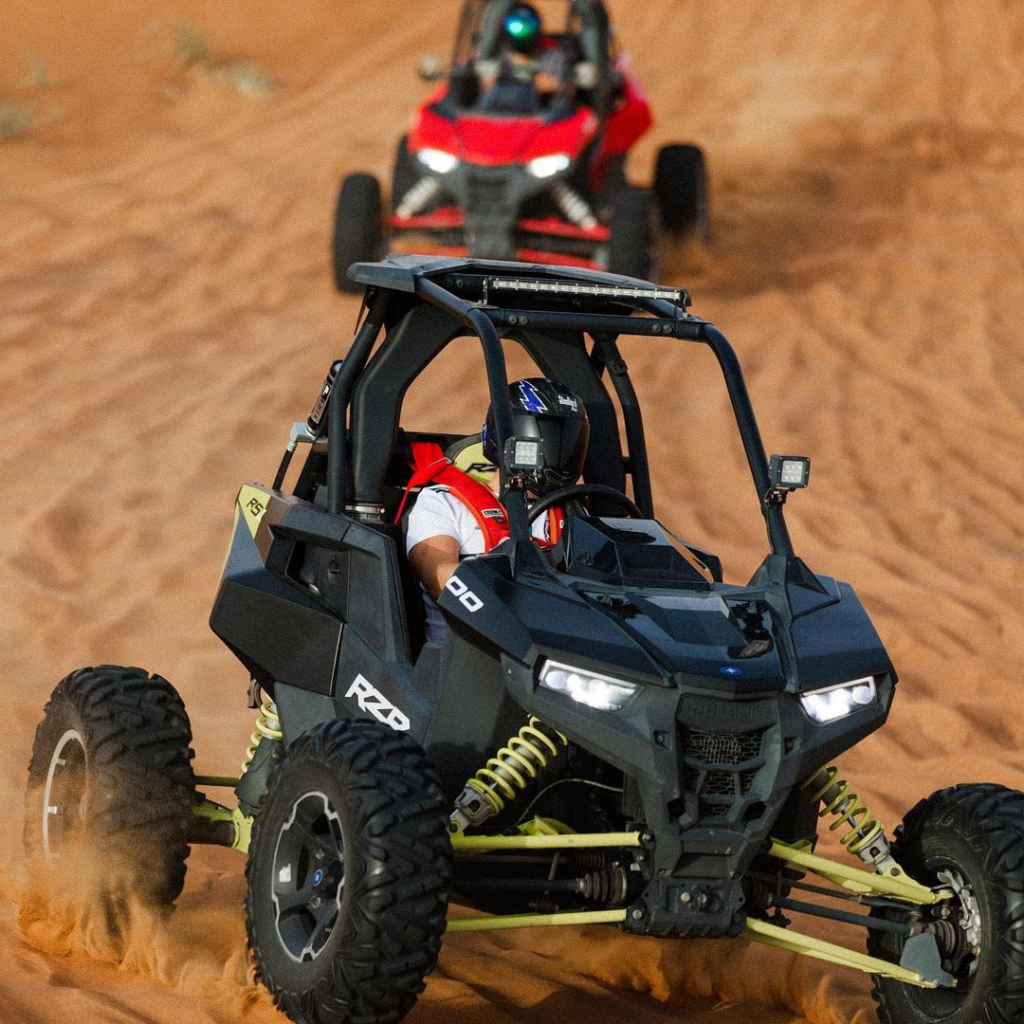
{"points": [[524, 453], [788, 472]]}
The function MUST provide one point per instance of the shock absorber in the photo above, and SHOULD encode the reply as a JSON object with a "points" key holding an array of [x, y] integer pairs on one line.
{"points": [[574, 206], [264, 743], [865, 836], [415, 200], [506, 774]]}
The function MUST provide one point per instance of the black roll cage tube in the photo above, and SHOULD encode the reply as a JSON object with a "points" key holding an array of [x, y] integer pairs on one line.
{"points": [[482, 322]]}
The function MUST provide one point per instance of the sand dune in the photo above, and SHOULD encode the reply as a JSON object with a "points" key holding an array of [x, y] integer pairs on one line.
{"points": [[166, 312]]}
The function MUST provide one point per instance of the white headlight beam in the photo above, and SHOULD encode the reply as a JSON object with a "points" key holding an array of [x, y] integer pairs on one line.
{"points": [[605, 693], [834, 702]]}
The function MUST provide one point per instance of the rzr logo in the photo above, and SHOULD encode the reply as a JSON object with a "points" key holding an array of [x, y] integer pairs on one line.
{"points": [[371, 699], [466, 597]]}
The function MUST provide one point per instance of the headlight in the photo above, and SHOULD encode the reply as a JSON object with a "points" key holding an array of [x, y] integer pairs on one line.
{"points": [[545, 166], [838, 701], [591, 688], [438, 160]]}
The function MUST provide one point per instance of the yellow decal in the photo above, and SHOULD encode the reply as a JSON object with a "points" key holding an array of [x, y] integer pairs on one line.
{"points": [[252, 503]]}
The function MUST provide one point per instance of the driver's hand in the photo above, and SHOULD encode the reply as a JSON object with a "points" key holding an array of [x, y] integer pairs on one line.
{"points": [[585, 75], [544, 81]]}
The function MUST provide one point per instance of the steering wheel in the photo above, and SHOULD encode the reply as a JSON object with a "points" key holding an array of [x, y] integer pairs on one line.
{"points": [[576, 491]]}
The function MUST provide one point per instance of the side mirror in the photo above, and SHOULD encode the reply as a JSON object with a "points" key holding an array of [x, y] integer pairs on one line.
{"points": [[430, 68]]}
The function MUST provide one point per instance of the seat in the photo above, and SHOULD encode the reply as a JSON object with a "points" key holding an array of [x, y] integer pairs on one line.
{"points": [[467, 454]]}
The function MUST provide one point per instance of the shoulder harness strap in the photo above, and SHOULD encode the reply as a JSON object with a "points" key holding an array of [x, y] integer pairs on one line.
{"points": [[431, 467]]}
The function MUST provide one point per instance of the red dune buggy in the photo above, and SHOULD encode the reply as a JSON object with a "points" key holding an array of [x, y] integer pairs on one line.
{"points": [[505, 164]]}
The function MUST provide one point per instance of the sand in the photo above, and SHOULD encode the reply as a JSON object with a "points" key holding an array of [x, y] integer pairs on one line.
{"points": [[166, 312]]}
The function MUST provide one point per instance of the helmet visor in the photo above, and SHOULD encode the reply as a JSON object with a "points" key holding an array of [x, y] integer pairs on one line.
{"points": [[522, 28]]}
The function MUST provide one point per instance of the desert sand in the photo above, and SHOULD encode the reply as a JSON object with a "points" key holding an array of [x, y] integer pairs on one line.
{"points": [[166, 312]]}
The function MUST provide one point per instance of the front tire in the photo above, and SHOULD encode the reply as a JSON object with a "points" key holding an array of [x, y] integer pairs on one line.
{"points": [[348, 876], [681, 189], [358, 228], [111, 787], [973, 837], [633, 244]]}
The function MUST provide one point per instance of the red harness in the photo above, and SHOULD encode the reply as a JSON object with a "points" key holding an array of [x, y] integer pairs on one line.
{"points": [[431, 467]]}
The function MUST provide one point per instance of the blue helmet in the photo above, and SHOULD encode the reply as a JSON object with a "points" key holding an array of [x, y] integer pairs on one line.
{"points": [[522, 27], [548, 410]]}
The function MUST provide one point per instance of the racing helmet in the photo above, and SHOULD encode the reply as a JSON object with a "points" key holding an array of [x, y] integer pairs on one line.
{"points": [[522, 28], [549, 411]]}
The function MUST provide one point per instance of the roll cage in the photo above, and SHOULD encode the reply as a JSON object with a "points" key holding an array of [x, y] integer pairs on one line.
{"points": [[415, 306], [584, 33]]}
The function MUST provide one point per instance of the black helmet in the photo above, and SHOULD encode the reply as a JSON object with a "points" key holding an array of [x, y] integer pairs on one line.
{"points": [[522, 27], [548, 410]]}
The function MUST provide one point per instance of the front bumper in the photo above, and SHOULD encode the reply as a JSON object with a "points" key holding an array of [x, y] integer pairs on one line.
{"points": [[503, 213]]}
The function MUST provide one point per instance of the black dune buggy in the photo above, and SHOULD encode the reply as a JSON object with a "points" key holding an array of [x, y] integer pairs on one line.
{"points": [[609, 733], [493, 167]]}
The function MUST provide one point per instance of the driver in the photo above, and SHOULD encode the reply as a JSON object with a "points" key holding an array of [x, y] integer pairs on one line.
{"points": [[526, 56], [459, 516]]}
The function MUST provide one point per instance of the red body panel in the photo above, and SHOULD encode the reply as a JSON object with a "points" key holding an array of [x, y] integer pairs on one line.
{"points": [[492, 141], [629, 121]]}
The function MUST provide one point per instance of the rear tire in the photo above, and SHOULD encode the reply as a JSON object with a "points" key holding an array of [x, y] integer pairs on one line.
{"points": [[358, 228], [348, 876], [111, 783], [681, 188], [975, 835], [632, 246]]}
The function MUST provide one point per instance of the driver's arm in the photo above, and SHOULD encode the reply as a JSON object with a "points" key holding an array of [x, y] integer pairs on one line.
{"points": [[434, 560]]}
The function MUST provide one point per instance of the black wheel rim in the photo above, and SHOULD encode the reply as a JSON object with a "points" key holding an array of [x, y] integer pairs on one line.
{"points": [[64, 795], [308, 877]]}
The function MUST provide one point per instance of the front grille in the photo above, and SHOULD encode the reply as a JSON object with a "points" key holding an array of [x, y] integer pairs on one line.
{"points": [[486, 191], [719, 763]]}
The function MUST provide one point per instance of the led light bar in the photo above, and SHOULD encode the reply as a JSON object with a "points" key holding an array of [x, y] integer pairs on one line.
{"points": [[579, 288]]}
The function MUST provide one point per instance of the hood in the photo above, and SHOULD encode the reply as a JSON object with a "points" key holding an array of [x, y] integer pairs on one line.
{"points": [[493, 141]]}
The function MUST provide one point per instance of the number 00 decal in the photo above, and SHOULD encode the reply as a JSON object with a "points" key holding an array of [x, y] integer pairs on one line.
{"points": [[466, 597]]}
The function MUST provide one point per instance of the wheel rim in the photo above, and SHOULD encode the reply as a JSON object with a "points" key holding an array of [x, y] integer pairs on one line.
{"points": [[967, 920], [64, 794], [308, 877]]}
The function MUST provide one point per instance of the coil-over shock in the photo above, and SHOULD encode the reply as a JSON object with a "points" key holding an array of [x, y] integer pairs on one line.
{"points": [[265, 744], [506, 774], [865, 836]]}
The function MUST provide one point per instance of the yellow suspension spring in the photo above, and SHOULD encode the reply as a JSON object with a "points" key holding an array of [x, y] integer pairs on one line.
{"points": [[515, 764], [268, 725], [838, 799]]}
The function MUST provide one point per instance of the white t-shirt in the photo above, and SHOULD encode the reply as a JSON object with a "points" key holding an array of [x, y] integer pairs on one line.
{"points": [[439, 514]]}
